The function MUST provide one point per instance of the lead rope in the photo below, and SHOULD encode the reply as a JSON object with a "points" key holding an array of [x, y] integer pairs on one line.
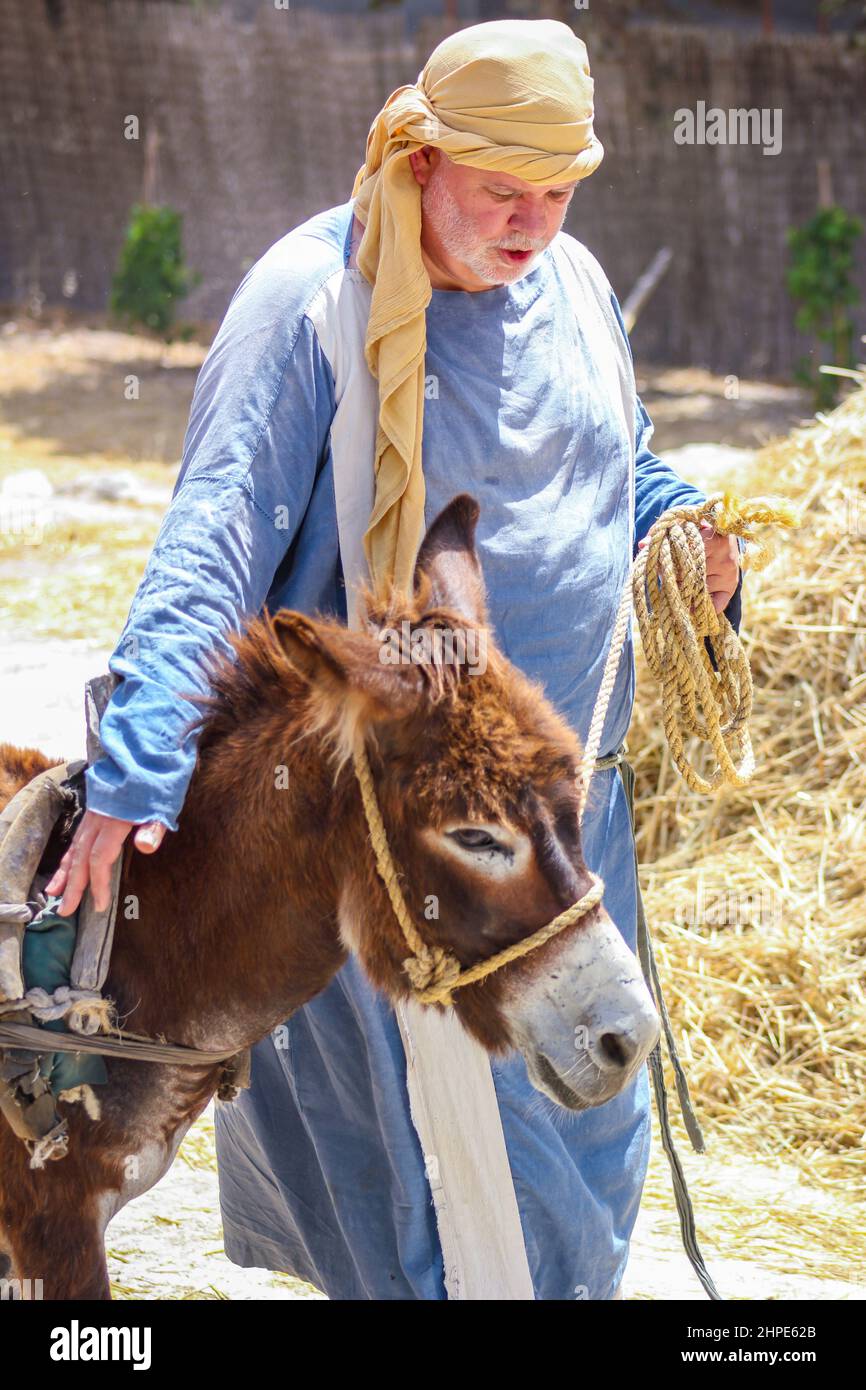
{"points": [[672, 616], [685, 1210], [668, 590]]}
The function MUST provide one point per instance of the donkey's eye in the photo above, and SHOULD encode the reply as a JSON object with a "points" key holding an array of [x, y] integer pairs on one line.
{"points": [[476, 839], [493, 850]]}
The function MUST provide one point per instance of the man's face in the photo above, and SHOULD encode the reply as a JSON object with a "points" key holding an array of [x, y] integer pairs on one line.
{"points": [[481, 228]]}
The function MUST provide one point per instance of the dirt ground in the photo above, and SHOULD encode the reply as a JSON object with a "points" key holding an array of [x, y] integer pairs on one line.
{"points": [[91, 431]]}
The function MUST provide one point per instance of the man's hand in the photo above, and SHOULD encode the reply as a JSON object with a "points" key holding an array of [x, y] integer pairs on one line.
{"points": [[723, 565], [95, 845]]}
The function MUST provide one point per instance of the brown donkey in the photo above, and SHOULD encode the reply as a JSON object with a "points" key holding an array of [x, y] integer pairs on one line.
{"points": [[247, 911]]}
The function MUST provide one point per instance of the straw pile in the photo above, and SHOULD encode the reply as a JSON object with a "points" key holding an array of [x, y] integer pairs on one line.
{"points": [[757, 897]]}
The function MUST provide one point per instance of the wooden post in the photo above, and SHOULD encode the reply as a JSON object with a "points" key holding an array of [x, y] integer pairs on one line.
{"points": [[151, 166], [825, 182], [767, 18], [645, 286]]}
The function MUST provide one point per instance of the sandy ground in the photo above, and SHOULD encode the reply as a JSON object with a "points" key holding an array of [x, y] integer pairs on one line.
{"points": [[95, 470], [168, 1244]]}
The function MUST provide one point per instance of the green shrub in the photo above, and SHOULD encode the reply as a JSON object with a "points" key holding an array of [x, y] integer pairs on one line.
{"points": [[820, 281], [151, 276]]}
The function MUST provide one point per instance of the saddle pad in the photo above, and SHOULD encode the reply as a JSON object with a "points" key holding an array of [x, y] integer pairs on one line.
{"points": [[49, 943]]}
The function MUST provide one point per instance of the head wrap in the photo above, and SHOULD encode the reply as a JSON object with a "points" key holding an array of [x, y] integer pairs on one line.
{"points": [[512, 95]]}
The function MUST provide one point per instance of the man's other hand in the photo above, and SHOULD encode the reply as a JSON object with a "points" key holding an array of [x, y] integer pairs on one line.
{"points": [[723, 565], [95, 846]]}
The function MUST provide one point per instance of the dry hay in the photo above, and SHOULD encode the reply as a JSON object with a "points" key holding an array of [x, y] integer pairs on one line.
{"points": [[757, 897]]}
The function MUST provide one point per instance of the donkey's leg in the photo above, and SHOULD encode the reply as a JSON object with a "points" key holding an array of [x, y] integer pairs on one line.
{"points": [[62, 1245], [51, 1222], [55, 1218]]}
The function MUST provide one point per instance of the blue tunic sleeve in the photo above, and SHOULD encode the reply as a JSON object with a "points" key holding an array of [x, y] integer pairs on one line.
{"points": [[658, 487], [257, 433]]}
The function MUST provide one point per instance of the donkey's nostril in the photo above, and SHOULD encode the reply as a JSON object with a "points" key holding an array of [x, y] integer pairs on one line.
{"points": [[616, 1048]]}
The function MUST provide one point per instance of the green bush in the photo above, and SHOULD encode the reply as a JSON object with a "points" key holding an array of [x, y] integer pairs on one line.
{"points": [[151, 276], [820, 281]]}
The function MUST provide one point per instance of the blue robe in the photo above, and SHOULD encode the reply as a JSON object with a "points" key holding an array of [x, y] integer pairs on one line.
{"points": [[321, 1171]]}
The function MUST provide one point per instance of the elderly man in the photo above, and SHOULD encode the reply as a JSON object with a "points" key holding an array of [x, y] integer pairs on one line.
{"points": [[441, 306]]}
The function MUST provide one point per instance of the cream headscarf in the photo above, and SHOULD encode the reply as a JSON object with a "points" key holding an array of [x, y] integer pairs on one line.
{"points": [[513, 95]]}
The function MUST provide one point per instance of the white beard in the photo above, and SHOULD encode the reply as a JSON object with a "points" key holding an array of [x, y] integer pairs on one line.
{"points": [[459, 238]]}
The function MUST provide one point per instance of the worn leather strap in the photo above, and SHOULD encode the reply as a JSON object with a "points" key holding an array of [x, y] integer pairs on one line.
{"points": [[131, 1047], [685, 1211]]}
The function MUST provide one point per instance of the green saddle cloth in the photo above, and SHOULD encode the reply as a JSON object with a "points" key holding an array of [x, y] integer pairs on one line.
{"points": [[49, 943]]}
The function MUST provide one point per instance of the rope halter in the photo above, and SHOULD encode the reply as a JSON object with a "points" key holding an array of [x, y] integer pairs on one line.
{"points": [[433, 972]]}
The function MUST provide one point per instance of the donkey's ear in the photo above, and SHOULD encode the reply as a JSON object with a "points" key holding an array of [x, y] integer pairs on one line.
{"points": [[338, 663], [448, 558]]}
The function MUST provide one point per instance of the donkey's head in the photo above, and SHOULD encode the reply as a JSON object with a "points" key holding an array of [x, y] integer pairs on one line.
{"points": [[476, 778]]}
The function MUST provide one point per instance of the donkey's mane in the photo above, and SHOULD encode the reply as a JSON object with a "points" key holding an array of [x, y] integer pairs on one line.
{"points": [[255, 676]]}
